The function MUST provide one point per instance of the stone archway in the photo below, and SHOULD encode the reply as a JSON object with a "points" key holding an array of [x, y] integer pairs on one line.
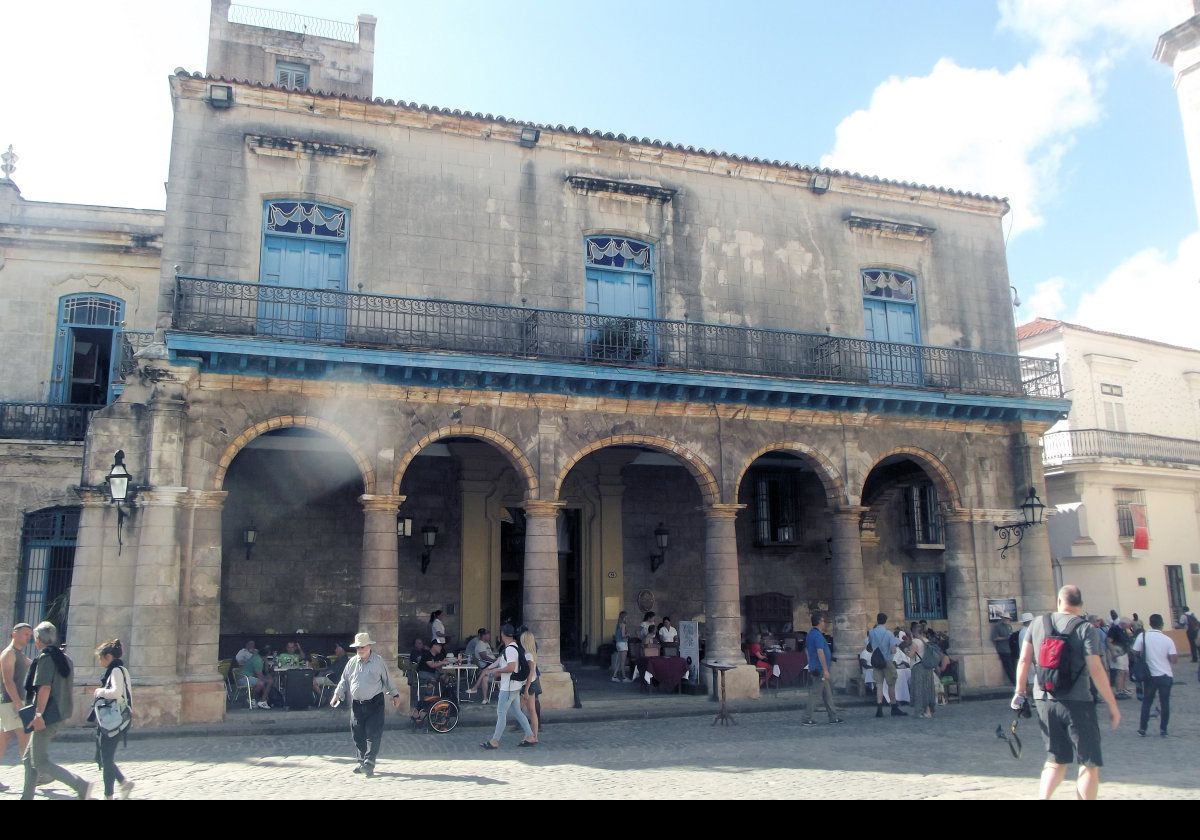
{"points": [[831, 480], [710, 490], [301, 421], [519, 460]]}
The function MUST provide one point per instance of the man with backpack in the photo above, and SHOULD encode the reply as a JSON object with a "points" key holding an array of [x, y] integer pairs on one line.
{"points": [[1064, 648], [513, 668], [882, 645]]}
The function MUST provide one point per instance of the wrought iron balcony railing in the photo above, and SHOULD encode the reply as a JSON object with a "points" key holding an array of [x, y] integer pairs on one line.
{"points": [[44, 421], [1063, 447], [131, 342], [222, 307]]}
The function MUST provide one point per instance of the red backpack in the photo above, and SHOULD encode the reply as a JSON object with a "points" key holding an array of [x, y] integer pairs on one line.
{"points": [[1056, 670]]}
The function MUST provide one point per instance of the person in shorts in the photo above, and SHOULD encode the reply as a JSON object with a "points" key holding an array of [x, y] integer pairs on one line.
{"points": [[1070, 730], [14, 665]]}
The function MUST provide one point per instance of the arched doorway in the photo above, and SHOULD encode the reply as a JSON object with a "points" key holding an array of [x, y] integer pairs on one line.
{"points": [[298, 488]]}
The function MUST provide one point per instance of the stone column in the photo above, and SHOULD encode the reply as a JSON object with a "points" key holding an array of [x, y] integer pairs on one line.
{"points": [[101, 593], [1037, 573], [203, 693], [540, 606], [849, 621], [154, 650], [379, 596], [723, 601], [962, 601]]}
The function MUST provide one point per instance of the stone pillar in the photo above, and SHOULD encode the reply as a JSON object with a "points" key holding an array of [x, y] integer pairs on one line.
{"points": [[379, 598], [154, 650], [540, 607], [1037, 573], [479, 598], [101, 592], [723, 601], [962, 601], [849, 621], [203, 693]]}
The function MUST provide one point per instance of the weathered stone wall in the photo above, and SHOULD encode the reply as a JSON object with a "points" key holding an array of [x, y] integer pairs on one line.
{"points": [[453, 208], [431, 486], [303, 573]]}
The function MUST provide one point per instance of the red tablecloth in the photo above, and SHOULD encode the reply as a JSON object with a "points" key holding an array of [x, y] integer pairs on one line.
{"points": [[791, 665], [668, 670]]}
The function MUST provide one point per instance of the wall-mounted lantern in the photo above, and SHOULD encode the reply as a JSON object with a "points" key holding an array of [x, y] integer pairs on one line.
{"points": [[429, 534], [121, 490], [249, 538], [1032, 513], [662, 539]]}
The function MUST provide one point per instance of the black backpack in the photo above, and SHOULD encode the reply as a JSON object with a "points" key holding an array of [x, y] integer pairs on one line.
{"points": [[522, 672], [1056, 668]]}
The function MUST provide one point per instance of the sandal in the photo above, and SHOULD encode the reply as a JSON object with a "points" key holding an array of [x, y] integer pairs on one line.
{"points": [[488, 745], [527, 744]]}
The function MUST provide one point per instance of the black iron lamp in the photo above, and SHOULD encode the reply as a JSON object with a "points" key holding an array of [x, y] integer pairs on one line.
{"points": [[1032, 513], [429, 534], [662, 539], [249, 538], [121, 490]]}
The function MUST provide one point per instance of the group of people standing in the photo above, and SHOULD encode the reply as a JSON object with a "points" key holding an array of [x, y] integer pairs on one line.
{"points": [[37, 700]]}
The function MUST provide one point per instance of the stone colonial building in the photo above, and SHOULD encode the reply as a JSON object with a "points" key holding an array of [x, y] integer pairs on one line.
{"points": [[1123, 469], [542, 352]]}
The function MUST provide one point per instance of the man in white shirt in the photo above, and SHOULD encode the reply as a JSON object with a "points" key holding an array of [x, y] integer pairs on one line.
{"points": [[1160, 654], [667, 634], [245, 654]]}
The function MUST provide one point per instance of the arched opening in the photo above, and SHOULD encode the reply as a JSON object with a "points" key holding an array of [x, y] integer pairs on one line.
{"points": [[903, 538], [619, 496], [784, 537], [469, 484], [298, 489]]}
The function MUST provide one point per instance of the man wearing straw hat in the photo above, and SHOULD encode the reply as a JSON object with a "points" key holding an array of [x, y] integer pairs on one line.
{"points": [[365, 681]]}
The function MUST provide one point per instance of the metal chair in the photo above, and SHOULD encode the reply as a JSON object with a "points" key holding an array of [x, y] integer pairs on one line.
{"points": [[237, 684]]}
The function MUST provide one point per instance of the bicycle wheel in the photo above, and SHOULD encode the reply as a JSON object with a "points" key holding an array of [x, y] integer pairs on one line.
{"points": [[443, 716]]}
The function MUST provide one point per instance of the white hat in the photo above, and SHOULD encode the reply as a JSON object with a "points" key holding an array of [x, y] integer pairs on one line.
{"points": [[1026, 617], [362, 640]]}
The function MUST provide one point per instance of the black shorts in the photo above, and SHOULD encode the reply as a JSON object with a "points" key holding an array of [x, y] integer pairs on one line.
{"points": [[1070, 731]]}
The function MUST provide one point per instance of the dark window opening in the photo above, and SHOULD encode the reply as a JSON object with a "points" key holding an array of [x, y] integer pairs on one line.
{"points": [[776, 508], [924, 596], [47, 564]]}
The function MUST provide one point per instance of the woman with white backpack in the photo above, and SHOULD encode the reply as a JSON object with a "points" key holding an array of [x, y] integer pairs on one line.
{"points": [[112, 715]]}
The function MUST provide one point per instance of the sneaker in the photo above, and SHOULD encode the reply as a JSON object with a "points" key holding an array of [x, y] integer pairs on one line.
{"points": [[1162, 734], [124, 789], [898, 712], [368, 771], [358, 768], [808, 723], [263, 704], [879, 711], [88, 790], [836, 721], [1142, 732], [616, 679]]}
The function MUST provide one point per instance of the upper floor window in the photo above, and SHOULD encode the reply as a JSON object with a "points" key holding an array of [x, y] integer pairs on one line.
{"points": [[619, 282], [1131, 512], [306, 218], [87, 350], [776, 507], [291, 75], [1111, 390], [887, 285], [922, 519]]}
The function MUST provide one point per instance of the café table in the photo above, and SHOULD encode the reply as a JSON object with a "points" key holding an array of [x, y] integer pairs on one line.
{"points": [[723, 715], [668, 670], [461, 670], [791, 665]]}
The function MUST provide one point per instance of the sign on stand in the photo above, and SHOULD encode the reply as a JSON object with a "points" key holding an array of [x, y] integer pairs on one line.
{"points": [[689, 648]]}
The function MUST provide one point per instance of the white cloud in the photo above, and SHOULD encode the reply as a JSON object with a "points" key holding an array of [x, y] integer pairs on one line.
{"points": [[1150, 295], [1062, 26], [1047, 300], [998, 133]]}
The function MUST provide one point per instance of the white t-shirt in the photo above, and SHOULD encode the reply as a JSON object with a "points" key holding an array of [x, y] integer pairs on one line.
{"points": [[243, 656], [1158, 646], [507, 683], [668, 634], [437, 630]]}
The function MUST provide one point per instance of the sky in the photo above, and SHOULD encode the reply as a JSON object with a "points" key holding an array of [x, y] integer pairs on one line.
{"points": [[1057, 105]]}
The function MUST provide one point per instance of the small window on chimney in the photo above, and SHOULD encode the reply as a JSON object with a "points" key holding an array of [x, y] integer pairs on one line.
{"points": [[293, 76]]}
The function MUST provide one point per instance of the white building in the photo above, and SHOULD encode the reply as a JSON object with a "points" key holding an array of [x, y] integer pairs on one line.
{"points": [[1123, 470]]}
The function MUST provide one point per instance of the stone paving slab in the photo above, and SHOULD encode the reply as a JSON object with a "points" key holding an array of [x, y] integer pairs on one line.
{"points": [[954, 756]]}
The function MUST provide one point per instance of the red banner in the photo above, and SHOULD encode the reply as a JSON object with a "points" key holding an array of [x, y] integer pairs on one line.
{"points": [[1141, 527]]}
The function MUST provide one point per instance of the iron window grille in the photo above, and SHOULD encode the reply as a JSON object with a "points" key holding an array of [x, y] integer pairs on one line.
{"points": [[776, 508], [924, 596], [922, 517], [47, 564], [1126, 498]]}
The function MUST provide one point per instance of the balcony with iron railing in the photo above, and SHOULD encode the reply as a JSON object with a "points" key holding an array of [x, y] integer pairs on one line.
{"points": [[66, 422], [1060, 448], [214, 307], [334, 30]]}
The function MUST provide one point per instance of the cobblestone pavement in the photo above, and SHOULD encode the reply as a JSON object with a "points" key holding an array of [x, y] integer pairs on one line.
{"points": [[954, 756]]}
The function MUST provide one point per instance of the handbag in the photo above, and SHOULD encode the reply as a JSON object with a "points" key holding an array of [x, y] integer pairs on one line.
{"points": [[114, 716], [49, 717]]}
